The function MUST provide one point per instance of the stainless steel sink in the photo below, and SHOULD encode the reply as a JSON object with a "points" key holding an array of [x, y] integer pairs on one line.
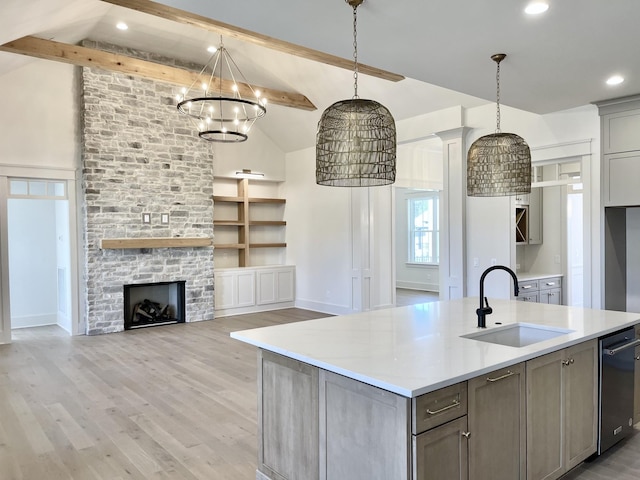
{"points": [[517, 334]]}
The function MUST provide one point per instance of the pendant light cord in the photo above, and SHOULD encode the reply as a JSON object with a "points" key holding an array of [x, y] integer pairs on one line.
{"points": [[355, 52], [498, 99]]}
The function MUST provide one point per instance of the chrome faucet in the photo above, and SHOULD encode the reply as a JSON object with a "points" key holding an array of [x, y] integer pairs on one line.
{"points": [[485, 310]]}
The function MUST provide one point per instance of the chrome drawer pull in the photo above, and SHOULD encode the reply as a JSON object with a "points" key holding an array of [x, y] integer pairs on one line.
{"points": [[435, 412], [524, 287], [466, 434], [508, 374], [550, 284]]}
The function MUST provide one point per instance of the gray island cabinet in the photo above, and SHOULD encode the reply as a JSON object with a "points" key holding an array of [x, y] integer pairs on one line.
{"points": [[400, 394]]}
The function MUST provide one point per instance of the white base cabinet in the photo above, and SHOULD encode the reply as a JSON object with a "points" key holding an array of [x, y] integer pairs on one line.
{"points": [[253, 289]]}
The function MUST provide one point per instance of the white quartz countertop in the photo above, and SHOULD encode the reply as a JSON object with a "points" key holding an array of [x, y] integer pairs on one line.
{"points": [[418, 349], [537, 276]]}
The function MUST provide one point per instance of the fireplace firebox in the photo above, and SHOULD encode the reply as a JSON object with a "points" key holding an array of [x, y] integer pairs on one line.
{"points": [[153, 304]]}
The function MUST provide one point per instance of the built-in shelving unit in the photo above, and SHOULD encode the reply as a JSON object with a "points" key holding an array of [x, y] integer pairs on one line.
{"points": [[243, 222]]}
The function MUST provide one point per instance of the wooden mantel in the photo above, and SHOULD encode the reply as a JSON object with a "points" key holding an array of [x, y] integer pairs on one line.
{"points": [[155, 242]]}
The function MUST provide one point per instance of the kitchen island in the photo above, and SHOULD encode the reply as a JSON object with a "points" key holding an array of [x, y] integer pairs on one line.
{"points": [[360, 396]]}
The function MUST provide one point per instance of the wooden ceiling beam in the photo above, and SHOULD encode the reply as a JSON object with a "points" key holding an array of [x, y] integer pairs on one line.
{"points": [[220, 28], [90, 57]]}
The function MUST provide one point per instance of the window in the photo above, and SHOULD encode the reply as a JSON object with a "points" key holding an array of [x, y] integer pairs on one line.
{"points": [[54, 189], [424, 228]]}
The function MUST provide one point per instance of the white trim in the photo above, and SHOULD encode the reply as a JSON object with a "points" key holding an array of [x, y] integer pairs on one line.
{"points": [[323, 307], [49, 173], [561, 151]]}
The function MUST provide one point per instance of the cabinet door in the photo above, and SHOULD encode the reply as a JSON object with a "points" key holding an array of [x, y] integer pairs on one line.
{"points": [[636, 388], [497, 425], [441, 453], [287, 418], [544, 417], [365, 432], [535, 216], [581, 402], [552, 296], [621, 172]]}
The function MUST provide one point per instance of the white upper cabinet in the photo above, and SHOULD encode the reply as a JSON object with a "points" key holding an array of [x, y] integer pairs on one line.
{"points": [[620, 120]]}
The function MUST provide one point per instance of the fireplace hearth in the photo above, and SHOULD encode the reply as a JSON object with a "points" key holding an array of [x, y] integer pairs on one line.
{"points": [[154, 304]]}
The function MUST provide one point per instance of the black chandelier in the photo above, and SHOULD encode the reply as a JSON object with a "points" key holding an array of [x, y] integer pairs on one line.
{"points": [[222, 108]]}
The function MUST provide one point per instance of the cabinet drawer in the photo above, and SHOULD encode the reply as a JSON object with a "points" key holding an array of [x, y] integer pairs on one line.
{"points": [[435, 408], [550, 283], [528, 297], [528, 286]]}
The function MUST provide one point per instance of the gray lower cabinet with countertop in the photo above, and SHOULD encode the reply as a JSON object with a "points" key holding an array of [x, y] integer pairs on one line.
{"points": [[315, 424], [541, 290]]}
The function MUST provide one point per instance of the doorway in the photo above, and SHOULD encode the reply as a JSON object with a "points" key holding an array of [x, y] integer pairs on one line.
{"points": [[38, 265], [417, 189]]}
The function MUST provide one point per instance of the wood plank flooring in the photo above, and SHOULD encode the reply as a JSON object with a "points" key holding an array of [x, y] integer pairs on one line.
{"points": [[173, 402], [405, 296]]}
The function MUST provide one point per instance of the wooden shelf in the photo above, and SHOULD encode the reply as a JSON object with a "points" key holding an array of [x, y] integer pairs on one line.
{"points": [[266, 200], [155, 242], [230, 246], [242, 222], [218, 198], [258, 223], [228, 223], [223, 198]]}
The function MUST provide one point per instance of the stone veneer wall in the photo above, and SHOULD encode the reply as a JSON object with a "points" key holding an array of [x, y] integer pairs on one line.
{"points": [[140, 155]]}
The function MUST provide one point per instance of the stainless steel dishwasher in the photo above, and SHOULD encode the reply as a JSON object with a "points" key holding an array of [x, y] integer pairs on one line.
{"points": [[617, 364]]}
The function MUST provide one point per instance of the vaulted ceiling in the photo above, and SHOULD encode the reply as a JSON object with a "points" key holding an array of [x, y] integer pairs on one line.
{"points": [[556, 61]]}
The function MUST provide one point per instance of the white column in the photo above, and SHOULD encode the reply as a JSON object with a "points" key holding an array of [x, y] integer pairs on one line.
{"points": [[453, 214], [360, 249]]}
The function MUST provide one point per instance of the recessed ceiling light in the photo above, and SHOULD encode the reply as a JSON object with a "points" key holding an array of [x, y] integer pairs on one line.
{"points": [[122, 26], [615, 80], [212, 49], [535, 8]]}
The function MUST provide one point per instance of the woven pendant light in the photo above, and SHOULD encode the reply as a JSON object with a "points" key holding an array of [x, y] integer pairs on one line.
{"points": [[498, 164], [356, 138]]}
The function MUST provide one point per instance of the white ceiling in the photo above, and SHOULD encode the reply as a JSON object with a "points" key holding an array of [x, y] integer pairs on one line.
{"points": [[555, 61]]}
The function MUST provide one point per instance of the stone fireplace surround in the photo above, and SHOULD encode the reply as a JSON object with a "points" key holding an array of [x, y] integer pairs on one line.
{"points": [[140, 156]]}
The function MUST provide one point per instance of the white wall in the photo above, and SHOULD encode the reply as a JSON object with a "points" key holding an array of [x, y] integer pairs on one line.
{"points": [[318, 237], [32, 262], [39, 119], [258, 154]]}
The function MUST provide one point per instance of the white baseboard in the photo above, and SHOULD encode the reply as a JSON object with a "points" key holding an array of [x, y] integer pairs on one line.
{"points": [[426, 287], [227, 312], [323, 307], [28, 321]]}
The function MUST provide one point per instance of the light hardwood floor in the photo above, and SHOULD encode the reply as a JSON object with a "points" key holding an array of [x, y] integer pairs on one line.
{"points": [[174, 402], [404, 297]]}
